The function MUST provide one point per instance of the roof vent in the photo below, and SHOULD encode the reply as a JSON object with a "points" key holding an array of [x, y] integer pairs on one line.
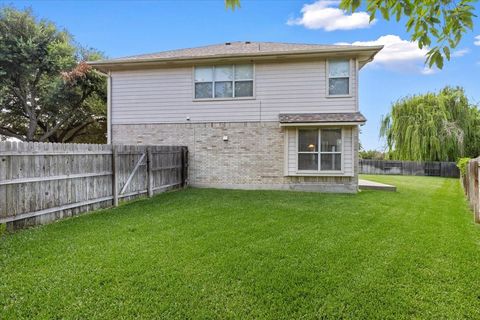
{"points": [[228, 43], [247, 42]]}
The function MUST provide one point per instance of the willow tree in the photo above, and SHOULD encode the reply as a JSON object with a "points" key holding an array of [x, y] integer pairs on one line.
{"points": [[432, 127]]}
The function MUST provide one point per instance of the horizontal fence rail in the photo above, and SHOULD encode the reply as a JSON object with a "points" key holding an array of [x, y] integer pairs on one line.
{"points": [[471, 187], [409, 168], [43, 182]]}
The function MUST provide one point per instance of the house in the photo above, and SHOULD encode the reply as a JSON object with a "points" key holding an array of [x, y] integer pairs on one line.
{"points": [[254, 115]]}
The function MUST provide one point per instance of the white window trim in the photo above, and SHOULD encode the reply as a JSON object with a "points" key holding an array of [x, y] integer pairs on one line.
{"points": [[253, 97], [327, 82], [318, 171]]}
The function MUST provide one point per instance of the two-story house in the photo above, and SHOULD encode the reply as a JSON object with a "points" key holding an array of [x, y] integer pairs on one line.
{"points": [[254, 115]]}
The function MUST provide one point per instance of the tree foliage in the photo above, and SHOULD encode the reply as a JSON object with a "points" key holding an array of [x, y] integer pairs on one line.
{"points": [[371, 154], [442, 23], [47, 92], [432, 127], [232, 4], [439, 22]]}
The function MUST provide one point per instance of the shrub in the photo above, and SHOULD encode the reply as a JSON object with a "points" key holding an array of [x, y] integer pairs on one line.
{"points": [[462, 164]]}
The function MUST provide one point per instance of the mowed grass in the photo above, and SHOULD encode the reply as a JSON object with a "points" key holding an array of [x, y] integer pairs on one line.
{"points": [[203, 254]]}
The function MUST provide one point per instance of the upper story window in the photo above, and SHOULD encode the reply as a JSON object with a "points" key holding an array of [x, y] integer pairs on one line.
{"points": [[320, 149], [338, 77], [225, 81]]}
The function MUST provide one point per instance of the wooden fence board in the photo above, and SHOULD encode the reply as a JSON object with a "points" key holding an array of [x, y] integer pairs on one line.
{"points": [[43, 182], [471, 186], [409, 168]]}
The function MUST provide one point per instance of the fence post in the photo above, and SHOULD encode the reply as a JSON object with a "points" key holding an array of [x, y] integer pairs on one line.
{"points": [[149, 172], [477, 191], [184, 167], [114, 175]]}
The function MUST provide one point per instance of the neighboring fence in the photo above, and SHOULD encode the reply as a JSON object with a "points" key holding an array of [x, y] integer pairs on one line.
{"points": [[471, 186], [43, 182], [409, 168]]}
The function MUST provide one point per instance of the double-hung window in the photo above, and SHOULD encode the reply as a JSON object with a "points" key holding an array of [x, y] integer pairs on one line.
{"points": [[224, 81], [320, 149], [338, 77]]}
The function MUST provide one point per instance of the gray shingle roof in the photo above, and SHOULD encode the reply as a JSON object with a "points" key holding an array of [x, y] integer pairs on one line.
{"points": [[321, 117], [237, 48]]}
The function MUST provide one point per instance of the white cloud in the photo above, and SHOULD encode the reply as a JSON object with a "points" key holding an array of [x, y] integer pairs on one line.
{"points": [[398, 54], [325, 14], [460, 52], [477, 41]]}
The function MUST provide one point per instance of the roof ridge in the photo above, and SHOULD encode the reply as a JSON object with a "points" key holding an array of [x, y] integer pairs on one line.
{"points": [[224, 43], [163, 51]]}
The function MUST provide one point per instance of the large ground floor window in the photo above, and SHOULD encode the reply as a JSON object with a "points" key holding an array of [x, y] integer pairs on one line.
{"points": [[320, 149]]}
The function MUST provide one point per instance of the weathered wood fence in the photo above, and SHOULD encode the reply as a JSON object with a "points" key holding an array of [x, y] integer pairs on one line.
{"points": [[409, 168], [43, 182], [471, 186]]}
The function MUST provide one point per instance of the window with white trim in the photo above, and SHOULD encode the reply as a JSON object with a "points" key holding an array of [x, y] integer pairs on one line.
{"points": [[225, 81], [320, 149], [338, 77]]}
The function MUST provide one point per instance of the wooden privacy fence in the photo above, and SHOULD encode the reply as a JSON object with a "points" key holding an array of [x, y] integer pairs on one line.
{"points": [[471, 186], [409, 168], [43, 182]]}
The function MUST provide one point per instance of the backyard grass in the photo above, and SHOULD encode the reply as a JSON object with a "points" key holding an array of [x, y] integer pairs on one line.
{"points": [[205, 253]]}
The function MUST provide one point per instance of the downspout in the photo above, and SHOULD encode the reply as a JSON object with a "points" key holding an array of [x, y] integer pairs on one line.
{"points": [[109, 108], [109, 103]]}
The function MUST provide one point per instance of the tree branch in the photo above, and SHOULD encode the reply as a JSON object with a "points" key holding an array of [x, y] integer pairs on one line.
{"points": [[9, 133], [72, 133]]}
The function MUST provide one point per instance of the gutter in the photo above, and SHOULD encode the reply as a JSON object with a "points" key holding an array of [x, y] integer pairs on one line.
{"points": [[371, 57], [319, 124], [109, 108], [109, 102]]}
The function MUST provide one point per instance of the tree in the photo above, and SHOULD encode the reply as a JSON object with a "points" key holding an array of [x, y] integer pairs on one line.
{"points": [[441, 22], [432, 127], [371, 154], [47, 93]]}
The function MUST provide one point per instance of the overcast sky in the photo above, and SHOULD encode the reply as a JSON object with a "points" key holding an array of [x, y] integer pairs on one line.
{"points": [[121, 28]]}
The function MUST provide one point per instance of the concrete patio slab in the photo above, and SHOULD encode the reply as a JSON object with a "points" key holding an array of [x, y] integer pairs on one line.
{"points": [[372, 185]]}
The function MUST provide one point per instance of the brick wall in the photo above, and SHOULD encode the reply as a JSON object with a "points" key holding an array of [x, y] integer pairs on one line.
{"points": [[252, 158]]}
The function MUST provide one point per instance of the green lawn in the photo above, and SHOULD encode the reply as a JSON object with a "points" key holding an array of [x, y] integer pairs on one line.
{"points": [[209, 253]]}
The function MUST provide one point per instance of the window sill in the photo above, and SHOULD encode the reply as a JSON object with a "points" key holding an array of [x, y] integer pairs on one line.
{"points": [[318, 174], [224, 99], [339, 96]]}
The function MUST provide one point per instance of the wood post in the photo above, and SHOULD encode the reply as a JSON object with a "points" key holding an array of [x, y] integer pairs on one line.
{"points": [[184, 167], [477, 191], [114, 176], [149, 172]]}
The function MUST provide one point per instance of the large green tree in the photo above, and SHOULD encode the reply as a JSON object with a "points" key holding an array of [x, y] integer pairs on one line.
{"points": [[47, 92], [439, 126], [438, 24]]}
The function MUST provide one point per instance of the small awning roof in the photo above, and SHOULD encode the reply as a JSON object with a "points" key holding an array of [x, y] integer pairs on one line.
{"points": [[297, 119]]}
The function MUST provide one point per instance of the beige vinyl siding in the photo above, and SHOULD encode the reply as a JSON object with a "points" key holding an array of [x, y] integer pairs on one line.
{"points": [[166, 95], [347, 153]]}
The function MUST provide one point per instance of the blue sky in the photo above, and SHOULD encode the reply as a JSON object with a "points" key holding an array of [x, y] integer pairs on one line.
{"points": [[121, 28]]}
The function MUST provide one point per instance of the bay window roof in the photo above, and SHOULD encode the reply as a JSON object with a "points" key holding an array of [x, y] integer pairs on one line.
{"points": [[354, 118]]}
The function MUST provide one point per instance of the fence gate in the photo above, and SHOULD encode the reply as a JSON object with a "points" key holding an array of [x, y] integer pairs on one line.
{"points": [[146, 170]]}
